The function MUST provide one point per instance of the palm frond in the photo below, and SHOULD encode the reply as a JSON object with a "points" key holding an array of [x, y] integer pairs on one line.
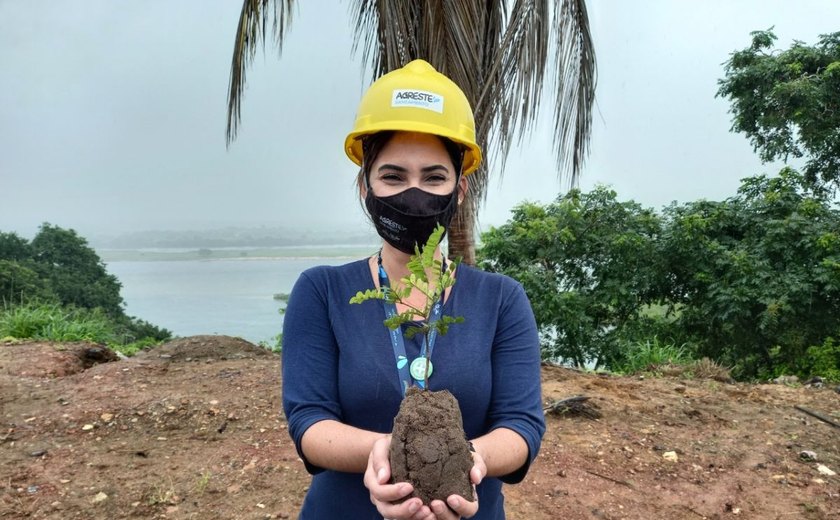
{"points": [[386, 33], [512, 92], [499, 54], [454, 39], [575, 71], [250, 33], [519, 74]]}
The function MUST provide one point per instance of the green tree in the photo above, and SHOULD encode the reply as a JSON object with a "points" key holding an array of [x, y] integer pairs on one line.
{"points": [[14, 248], [500, 54], [19, 281], [588, 264], [20, 284], [133, 329], [788, 102], [75, 272], [756, 278]]}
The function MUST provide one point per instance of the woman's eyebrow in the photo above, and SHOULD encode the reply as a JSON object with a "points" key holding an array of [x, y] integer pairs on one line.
{"points": [[425, 169], [434, 167], [392, 167]]}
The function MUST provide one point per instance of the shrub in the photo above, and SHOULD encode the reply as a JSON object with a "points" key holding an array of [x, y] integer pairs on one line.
{"points": [[824, 360], [129, 349], [131, 329], [707, 369], [589, 265], [275, 346], [650, 355]]}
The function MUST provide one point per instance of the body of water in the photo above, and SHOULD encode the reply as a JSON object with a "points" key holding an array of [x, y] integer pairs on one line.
{"points": [[233, 297]]}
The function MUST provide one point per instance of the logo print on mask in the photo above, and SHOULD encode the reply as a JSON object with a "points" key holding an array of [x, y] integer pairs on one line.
{"points": [[407, 219]]}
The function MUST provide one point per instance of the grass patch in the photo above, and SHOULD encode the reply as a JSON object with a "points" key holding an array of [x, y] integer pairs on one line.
{"points": [[202, 482], [129, 349], [666, 359], [52, 322], [650, 355]]}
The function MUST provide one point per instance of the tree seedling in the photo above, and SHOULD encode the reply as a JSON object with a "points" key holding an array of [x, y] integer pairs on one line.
{"points": [[428, 276]]}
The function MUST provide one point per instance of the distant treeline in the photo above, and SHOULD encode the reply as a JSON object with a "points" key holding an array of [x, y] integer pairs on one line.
{"points": [[232, 237]]}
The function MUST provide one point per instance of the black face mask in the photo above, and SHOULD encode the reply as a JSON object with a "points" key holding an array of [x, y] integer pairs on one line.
{"points": [[410, 217]]}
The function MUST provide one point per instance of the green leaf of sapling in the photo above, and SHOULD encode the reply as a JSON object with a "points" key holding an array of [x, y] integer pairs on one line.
{"points": [[395, 321], [428, 254], [413, 331], [415, 267], [370, 294], [403, 293]]}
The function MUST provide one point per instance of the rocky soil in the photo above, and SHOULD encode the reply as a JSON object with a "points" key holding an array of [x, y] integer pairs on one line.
{"points": [[193, 429]]}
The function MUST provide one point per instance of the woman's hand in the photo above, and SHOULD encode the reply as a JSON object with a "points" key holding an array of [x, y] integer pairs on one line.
{"points": [[383, 494], [456, 506]]}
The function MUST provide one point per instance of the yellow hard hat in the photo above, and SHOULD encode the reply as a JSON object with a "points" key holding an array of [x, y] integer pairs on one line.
{"points": [[416, 98]]}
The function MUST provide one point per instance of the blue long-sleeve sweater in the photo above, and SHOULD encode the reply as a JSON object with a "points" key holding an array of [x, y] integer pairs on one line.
{"points": [[338, 363]]}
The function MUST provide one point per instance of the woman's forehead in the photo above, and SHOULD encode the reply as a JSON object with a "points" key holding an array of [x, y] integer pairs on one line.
{"points": [[410, 145], [410, 150], [415, 139]]}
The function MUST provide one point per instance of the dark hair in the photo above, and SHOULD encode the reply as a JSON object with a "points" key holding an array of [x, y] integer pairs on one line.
{"points": [[373, 144]]}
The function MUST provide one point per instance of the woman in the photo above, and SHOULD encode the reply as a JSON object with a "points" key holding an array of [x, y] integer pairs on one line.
{"points": [[414, 139]]}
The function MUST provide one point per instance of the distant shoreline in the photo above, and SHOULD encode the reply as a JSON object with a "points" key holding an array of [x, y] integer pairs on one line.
{"points": [[210, 254]]}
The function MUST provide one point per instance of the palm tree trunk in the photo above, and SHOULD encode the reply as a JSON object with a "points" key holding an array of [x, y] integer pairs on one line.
{"points": [[461, 232]]}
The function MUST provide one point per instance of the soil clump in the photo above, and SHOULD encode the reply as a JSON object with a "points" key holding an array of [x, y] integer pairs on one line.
{"points": [[429, 448]]}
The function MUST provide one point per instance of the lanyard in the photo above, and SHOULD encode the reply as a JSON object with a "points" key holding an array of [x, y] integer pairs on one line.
{"points": [[398, 342]]}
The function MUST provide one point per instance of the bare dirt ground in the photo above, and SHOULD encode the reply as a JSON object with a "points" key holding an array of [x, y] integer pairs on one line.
{"points": [[193, 429]]}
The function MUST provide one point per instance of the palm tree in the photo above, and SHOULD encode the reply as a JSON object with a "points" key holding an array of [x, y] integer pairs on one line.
{"points": [[500, 55]]}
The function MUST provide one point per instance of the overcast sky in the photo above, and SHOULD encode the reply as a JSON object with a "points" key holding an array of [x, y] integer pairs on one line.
{"points": [[112, 114]]}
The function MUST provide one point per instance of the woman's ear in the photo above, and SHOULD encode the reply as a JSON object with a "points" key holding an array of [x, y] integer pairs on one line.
{"points": [[463, 187]]}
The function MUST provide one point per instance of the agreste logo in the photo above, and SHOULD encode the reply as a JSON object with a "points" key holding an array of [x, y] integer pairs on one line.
{"points": [[391, 224], [417, 96], [417, 99]]}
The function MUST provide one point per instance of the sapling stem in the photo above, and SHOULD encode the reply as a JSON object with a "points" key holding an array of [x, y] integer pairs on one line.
{"points": [[427, 276]]}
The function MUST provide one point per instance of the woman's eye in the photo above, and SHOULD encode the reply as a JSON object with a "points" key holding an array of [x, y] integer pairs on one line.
{"points": [[391, 177], [436, 178]]}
